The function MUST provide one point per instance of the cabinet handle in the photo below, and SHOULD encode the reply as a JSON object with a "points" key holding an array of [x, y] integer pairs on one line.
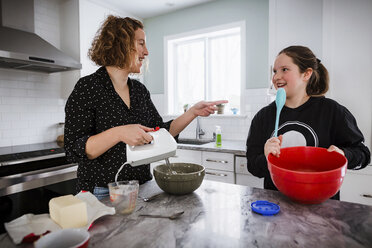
{"points": [[217, 161], [216, 174], [367, 195]]}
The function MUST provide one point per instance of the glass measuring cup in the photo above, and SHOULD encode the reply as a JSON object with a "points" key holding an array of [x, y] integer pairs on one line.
{"points": [[123, 195]]}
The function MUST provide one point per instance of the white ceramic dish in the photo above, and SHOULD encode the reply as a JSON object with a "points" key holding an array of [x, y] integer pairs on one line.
{"points": [[65, 238]]}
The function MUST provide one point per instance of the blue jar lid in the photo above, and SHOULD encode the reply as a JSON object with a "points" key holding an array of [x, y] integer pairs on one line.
{"points": [[265, 208]]}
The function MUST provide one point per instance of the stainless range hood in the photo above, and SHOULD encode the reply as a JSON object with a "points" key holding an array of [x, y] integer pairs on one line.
{"points": [[21, 48]]}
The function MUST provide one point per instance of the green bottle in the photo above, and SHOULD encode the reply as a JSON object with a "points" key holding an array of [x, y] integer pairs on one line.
{"points": [[218, 136]]}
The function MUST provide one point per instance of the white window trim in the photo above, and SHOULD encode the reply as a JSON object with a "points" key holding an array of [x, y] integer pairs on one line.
{"points": [[167, 57]]}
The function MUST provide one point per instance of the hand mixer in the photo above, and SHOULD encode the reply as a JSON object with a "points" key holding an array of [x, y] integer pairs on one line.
{"points": [[161, 147]]}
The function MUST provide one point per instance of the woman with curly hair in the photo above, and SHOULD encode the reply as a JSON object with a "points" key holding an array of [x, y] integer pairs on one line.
{"points": [[108, 109]]}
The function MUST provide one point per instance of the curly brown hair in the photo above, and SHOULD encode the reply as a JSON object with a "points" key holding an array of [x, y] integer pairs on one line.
{"points": [[114, 43]]}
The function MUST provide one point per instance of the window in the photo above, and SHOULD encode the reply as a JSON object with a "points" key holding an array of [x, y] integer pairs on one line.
{"points": [[204, 65]]}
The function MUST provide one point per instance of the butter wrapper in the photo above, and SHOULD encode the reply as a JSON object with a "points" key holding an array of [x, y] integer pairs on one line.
{"points": [[38, 224]]}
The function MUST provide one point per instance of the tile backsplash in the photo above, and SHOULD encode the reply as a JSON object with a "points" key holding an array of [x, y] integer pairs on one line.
{"points": [[30, 107], [30, 103]]}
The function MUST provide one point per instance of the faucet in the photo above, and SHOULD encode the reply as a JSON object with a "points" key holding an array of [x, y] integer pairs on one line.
{"points": [[199, 132]]}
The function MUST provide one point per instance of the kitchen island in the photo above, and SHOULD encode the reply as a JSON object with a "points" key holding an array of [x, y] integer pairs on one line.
{"points": [[219, 215]]}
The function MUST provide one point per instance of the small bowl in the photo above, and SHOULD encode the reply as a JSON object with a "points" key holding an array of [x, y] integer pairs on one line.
{"points": [[187, 178], [65, 238], [307, 175]]}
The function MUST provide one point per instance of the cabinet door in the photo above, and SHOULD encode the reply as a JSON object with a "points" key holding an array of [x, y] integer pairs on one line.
{"points": [[241, 165], [219, 175], [187, 156], [357, 187], [218, 161], [251, 181], [243, 176]]}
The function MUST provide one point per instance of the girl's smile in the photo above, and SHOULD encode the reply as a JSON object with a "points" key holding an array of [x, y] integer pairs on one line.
{"points": [[287, 75]]}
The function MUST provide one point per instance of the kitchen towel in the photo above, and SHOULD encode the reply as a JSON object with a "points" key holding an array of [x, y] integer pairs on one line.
{"points": [[30, 225]]}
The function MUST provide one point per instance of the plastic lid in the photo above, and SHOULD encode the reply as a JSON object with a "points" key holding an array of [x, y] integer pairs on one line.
{"points": [[265, 208]]}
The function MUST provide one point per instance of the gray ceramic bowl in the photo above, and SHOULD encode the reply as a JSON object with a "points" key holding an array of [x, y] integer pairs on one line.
{"points": [[187, 178]]}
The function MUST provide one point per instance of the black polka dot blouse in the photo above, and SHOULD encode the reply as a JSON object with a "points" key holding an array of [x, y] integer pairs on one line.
{"points": [[93, 107]]}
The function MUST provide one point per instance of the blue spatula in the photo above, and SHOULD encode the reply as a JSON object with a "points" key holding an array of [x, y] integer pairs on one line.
{"points": [[280, 101]]}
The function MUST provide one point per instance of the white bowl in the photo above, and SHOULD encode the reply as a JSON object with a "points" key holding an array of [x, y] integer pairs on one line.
{"points": [[65, 238]]}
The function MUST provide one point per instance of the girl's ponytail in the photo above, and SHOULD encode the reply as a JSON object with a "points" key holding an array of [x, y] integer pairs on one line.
{"points": [[319, 81]]}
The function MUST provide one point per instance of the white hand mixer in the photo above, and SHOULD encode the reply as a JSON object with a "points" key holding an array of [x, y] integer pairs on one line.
{"points": [[161, 147]]}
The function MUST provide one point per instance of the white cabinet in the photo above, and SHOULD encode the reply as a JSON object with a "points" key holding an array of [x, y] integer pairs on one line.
{"points": [[357, 186], [220, 176], [219, 166], [218, 161], [187, 156], [243, 176]]}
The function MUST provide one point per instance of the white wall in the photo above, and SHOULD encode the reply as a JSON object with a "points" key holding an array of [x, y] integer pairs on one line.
{"points": [[347, 49], [295, 22], [70, 42]]}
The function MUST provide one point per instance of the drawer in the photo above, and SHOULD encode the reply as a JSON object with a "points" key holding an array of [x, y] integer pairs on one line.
{"points": [[218, 161], [219, 175], [251, 181], [241, 165]]}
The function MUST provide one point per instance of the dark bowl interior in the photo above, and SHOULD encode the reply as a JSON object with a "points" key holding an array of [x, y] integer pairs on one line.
{"points": [[180, 179]]}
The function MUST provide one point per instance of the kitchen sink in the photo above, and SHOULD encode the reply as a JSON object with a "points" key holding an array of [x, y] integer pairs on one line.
{"points": [[194, 141]]}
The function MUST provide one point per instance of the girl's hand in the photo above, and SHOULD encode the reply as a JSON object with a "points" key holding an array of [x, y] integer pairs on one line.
{"points": [[135, 134], [272, 146], [333, 148], [204, 108]]}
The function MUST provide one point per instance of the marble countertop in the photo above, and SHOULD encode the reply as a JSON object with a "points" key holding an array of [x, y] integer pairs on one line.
{"points": [[219, 215], [237, 147]]}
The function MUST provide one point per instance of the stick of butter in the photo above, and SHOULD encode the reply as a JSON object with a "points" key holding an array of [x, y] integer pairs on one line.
{"points": [[68, 211]]}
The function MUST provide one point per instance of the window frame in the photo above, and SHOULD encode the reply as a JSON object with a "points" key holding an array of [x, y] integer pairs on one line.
{"points": [[169, 57]]}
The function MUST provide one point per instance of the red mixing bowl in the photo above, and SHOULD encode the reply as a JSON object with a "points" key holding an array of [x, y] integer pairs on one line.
{"points": [[308, 175]]}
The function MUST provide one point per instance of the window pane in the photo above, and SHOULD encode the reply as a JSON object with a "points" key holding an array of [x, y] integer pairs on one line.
{"points": [[189, 73], [224, 66]]}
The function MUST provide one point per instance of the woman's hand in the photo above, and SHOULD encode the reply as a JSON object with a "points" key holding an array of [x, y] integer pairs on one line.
{"points": [[200, 109], [135, 134], [272, 146], [204, 108], [333, 148]]}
